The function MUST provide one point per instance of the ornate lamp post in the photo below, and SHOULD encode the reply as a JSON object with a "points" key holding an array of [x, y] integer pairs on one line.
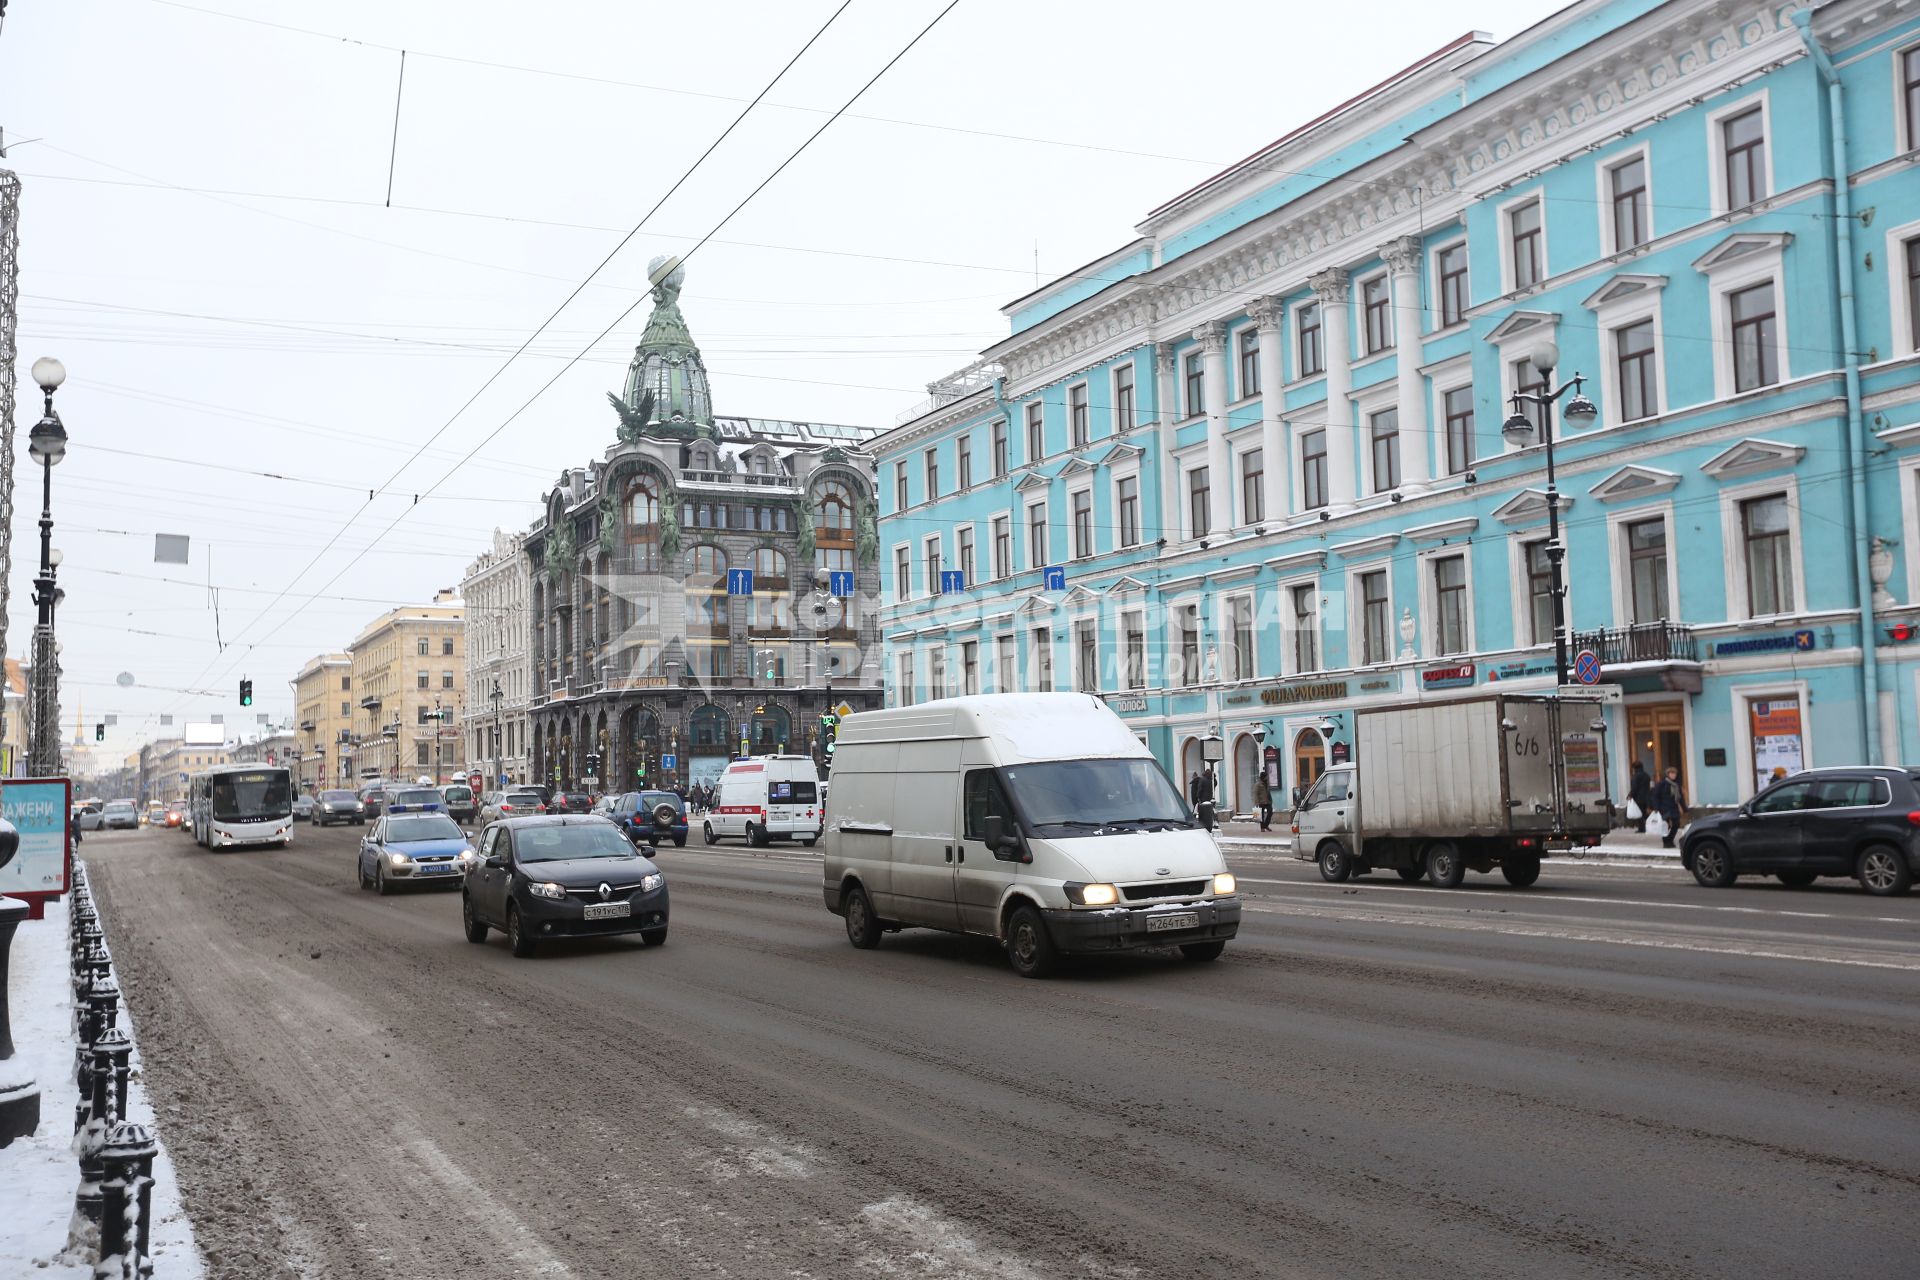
{"points": [[47, 443], [1518, 431], [495, 695]]}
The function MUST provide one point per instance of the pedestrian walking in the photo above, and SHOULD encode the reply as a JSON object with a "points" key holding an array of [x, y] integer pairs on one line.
{"points": [[1203, 797], [1640, 794], [1670, 802], [1263, 797]]}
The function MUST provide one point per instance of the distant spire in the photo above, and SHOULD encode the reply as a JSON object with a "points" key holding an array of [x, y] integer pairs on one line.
{"points": [[667, 361]]}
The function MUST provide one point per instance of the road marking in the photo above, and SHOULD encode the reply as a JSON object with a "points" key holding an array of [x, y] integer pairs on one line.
{"points": [[490, 1214], [1544, 900], [1613, 937], [913, 1238]]}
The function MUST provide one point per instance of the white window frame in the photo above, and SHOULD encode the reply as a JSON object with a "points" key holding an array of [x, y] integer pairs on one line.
{"points": [[1603, 171], [1906, 326], [972, 530], [1086, 386], [1619, 567], [938, 545], [1130, 471], [906, 674], [1093, 524], [1298, 425], [1513, 349], [993, 568], [1237, 458], [1113, 395], [1717, 147], [1733, 541], [1443, 380], [1253, 628], [1356, 616], [1742, 694], [1523, 601], [1903, 139], [1909, 473], [1080, 681], [1175, 609], [1359, 307], [902, 593], [1429, 601], [1289, 663], [1609, 317], [1504, 212], [1035, 563], [1433, 284], [1374, 399], [1235, 336], [1138, 616], [1292, 336], [1730, 278]]}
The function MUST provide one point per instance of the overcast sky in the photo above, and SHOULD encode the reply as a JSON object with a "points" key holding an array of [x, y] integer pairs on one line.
{"points": [[207, 244]]}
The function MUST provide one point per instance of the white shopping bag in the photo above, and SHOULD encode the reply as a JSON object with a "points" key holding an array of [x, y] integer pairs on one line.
{"points": [[1656, 825], [1633, 811]]}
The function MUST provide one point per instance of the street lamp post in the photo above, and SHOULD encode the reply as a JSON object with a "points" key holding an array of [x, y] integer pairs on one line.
{"points": [[47, 443], [1518, 430], [496, 731]]}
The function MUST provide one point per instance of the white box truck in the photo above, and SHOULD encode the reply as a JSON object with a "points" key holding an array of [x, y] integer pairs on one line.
{"points": [[1439, 788]]}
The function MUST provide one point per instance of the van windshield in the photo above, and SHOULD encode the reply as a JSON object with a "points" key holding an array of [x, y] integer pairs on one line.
{"points": [[1082, 797]]}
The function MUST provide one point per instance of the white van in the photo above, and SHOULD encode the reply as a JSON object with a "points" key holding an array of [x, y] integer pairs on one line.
{"points": [[768, 798], [1037, 819]]}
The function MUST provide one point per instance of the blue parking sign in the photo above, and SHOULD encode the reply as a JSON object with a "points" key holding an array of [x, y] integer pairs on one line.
{"points": [[739, 582], [1054, 578], [840, 582], [952, 581], [669, 760]]}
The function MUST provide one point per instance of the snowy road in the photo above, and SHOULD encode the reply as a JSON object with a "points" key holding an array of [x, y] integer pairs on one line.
{"points": [[1613, 1075]]}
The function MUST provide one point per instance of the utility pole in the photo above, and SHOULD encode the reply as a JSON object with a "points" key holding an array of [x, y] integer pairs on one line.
{"points": [[496, 731], [437, 722]]}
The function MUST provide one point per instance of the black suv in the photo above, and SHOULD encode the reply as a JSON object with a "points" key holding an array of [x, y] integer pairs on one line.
{"points": [[1859, 822]]}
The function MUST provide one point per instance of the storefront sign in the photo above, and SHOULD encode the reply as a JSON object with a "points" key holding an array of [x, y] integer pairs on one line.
{"points": [[1287, 695], [1270, 765], [38, 810], [1376, 685], [1518, 671], [1792, 642], [1341, 753], [1450, 677], [646, 682], [1778, 748], [1242, 699], [1126, 703]]}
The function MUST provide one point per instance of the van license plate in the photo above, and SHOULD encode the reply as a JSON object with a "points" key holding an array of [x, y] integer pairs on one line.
{"points": [[1184, 920], [608, 910]]}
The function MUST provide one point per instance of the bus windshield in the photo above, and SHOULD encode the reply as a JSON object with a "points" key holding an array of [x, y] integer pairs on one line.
{"points": [[251, 797]]}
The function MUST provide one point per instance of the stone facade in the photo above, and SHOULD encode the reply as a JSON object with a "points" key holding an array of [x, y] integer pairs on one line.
{"points": [[407, 665], [496, 591], [323, 701], [646, 646]]}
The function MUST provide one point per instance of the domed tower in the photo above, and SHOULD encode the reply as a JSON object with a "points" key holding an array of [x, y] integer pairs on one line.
{"points": [[666, 364]]}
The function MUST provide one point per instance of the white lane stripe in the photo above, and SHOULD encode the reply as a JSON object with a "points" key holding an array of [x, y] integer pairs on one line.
{"points": [[1544, 900], [1614, 938]]}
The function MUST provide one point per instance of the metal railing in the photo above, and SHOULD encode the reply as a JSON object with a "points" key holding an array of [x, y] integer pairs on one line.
{"points": [[1642, 642]]}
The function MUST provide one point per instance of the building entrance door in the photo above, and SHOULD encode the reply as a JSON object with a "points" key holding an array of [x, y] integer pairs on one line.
{"points": [[1309, 760], [1659, 733]]}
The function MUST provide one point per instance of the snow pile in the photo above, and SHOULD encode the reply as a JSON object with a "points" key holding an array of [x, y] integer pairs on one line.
{"points": [[39, 1174]]}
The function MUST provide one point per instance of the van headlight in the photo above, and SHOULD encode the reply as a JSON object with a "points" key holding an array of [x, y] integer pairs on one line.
{"points": [[1091, 895], [549, 889], [1223, 884]]}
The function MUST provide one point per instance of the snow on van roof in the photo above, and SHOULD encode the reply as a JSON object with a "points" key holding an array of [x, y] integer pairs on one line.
{"points": [[1023, 726]]}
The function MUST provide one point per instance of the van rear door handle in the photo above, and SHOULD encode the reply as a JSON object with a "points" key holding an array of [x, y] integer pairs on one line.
{"points": [[949, 850]]}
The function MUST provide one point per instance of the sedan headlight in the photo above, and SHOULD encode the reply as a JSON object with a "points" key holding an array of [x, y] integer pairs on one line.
{"points": [[398, 860], [1092, 895], [546, 890], [650, 883], [1224, 884]]}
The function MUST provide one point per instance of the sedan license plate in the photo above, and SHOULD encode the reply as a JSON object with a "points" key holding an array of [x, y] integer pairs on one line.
{"points": [[608, 910], [435, 868], [1173, 920]]}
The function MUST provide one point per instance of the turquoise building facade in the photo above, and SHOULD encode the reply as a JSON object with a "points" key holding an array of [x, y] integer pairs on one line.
{"points": [[1247, 473]]}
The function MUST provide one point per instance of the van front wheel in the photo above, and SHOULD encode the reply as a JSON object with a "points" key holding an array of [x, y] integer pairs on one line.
{"points": [[1029, 945], [863, 928]]}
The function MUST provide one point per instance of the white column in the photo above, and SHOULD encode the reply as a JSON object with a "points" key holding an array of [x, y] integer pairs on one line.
{"points": [[1212, 338], [1267, 313], [1416, 441], [1166, 397], [1343, 479]]}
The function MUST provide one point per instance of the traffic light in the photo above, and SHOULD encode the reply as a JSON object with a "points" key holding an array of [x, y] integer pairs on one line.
{"points": [[246, 693], [100, 732], [640, 770]]}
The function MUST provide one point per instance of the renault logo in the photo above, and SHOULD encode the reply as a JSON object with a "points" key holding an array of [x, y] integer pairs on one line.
{"points": [[606, 891]]}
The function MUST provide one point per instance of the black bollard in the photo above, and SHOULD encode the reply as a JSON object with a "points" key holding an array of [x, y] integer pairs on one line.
{"points": [[103, 1081], [126, 1162], [102, 1015]]}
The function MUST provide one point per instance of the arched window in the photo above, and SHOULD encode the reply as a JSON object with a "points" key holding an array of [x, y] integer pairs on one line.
{"points": [[643, 524], [833, 527], [708, 728], [772, 602], [770, 567], [707, 625], [772, 728]]}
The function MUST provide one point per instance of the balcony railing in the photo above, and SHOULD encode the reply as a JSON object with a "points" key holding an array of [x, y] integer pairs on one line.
{"points": [[1643, 642]]}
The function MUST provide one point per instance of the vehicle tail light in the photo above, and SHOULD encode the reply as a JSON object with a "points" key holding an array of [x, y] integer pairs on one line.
{"points": [[1526, 842], [1296, 828], [506, 808], [1913, 819]]}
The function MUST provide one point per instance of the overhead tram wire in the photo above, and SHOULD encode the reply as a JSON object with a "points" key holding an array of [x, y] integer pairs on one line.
{"points": [[621, 318], [624, 241]]}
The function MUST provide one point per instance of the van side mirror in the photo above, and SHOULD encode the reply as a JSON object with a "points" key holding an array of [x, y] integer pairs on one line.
{"points": [[1006, 845]]}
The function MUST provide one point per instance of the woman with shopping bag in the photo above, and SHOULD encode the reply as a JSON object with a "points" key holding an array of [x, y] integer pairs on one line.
{"points": [[1670, 803]]}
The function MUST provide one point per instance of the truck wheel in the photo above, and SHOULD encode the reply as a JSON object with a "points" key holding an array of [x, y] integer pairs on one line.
{"points": [[1335, 865], [1029, 946], [1444, 867], [1520, 872]]}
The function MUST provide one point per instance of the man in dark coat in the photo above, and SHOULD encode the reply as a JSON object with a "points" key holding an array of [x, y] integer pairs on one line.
{"points": [[1640, 791], [1670, 802]]}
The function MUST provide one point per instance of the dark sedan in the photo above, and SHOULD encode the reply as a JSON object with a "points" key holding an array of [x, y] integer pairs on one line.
{"points": [[570, 802], [652, 816], [1863, 823], [561, 876], [330, 807]]}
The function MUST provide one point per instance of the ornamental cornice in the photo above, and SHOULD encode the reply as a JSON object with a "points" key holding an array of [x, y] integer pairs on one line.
{"points": [[1212, 335], [1330, 286], [1267, 313], [1454, 162], [1402, 255]]}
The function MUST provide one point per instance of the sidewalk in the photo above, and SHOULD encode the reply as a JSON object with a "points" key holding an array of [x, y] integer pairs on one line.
{"points": [[1243, 838], [39, 1174]]}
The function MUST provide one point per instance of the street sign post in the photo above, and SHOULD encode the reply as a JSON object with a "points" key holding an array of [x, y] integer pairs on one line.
{"points": [[669, 761], [1593, 692], [1586, 667], [952, 581], [1053, 578], [739, 582], [840, 582]]}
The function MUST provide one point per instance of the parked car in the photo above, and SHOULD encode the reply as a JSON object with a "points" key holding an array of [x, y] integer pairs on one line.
{"points": [[1037, 819], [651, 816], [461, 806], [511, 804], [768, 798], [1857, 822], [414, 800], [303, 807], [371, 801], [120, 815], [570, 802], [561, 876], [412, 848], [338, 806]]}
